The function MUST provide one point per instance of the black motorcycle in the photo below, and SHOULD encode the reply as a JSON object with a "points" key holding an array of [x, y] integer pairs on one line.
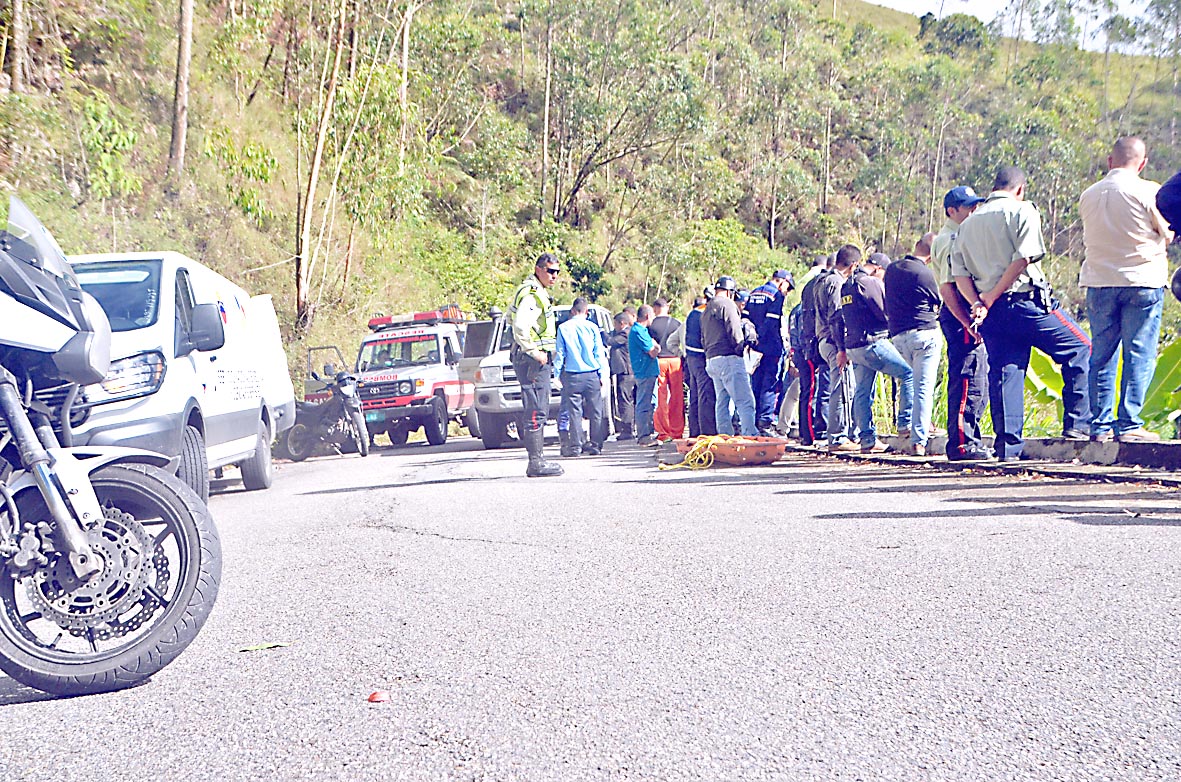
{"points": [[336, 421], [109, 566]]}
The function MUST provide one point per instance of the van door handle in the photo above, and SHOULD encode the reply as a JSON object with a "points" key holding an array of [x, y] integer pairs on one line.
{"points": [[213, 357]]}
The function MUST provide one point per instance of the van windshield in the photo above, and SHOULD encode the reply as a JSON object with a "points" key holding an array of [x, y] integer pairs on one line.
{"points": [[128, 292], [400, 351]]}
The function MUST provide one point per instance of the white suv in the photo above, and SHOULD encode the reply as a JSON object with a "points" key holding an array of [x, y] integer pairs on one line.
{"points": [[486, 364]]}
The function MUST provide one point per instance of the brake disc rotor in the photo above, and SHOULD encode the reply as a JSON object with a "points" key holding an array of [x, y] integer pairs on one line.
{"points": [[104, 605]]}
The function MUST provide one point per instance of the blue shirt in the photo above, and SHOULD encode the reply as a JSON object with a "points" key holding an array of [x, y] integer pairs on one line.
{"points": [[639, 342], [580, 347]]}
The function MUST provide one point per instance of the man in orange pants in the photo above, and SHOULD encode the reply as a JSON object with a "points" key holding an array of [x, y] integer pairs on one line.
{"points": [[668, 334]]}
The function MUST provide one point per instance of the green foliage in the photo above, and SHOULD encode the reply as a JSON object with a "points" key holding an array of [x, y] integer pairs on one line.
{"points": [[246, 169], [108, 142], [1162, 398]]}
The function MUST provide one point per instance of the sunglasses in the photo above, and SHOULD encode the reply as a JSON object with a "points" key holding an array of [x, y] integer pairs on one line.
{"points": [[552, 272]]}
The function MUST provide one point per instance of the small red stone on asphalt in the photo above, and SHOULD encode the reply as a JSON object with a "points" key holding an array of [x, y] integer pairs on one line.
{"points": [[381, 696]]}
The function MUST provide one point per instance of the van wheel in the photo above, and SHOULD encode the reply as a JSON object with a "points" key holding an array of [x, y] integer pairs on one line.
{"points": [[258, 472], [435, 427], [194, 462]]}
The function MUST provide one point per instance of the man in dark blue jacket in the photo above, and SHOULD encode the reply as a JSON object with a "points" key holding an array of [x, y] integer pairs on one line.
{"points": [[764, 309], [701, 387]]}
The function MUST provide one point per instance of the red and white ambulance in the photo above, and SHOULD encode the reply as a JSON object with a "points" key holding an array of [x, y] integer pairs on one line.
{"points": [[407, 374]]}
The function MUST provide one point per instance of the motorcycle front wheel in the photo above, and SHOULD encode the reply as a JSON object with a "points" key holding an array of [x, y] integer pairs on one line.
{"points": [[161, 568], [360, 431]]}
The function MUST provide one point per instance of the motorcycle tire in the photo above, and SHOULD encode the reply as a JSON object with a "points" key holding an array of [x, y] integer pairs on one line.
{"points": [[360, 431], [258, 472], [32, 650], [435, 426], [194, 462], [300, 442]]}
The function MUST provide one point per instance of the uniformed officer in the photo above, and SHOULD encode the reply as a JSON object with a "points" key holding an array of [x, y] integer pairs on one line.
{"points": [[967, 358], [764, 309], [534, 334], [995, 261]]}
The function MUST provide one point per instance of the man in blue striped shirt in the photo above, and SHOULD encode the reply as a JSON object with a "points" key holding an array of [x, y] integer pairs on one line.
{"points": [[581, 362]]}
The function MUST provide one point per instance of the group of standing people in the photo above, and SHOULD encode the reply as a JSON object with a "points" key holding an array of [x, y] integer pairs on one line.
{"points": [[977, 285]]}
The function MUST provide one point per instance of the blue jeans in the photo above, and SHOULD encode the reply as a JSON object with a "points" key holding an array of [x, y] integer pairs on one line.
{"points": [[920, 349], [878, 356], [645, 405], [732, 384], [1130, 316]]}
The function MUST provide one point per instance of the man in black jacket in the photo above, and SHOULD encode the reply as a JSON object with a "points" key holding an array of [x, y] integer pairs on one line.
{"points": [[814, 388], [830, 328], [863, 311], [623, 385]]}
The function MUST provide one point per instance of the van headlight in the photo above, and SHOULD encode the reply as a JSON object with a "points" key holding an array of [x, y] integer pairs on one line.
{"points": [[128, 378]]}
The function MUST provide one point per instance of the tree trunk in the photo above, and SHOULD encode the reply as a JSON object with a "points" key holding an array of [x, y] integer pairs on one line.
{"points": [[303, 313], [549, 69], [404, 86], [180, 100], [20, 45]]}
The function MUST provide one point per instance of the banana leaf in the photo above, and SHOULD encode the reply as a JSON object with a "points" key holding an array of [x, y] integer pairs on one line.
{"points": [[1162, 398], [1043, 379]]}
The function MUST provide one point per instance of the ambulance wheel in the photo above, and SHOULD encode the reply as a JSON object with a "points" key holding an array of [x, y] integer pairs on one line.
{"points": [[435, 426], [472, 422], [258, 472], [398, 434], [194, 462]]}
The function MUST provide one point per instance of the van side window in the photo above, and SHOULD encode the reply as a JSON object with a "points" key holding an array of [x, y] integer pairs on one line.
{"points": [[184, 307], [449, 351]]}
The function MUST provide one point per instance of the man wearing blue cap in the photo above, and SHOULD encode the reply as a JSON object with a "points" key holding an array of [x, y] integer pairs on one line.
{"points": [[764, 309], [995, 259], [967, 358]]}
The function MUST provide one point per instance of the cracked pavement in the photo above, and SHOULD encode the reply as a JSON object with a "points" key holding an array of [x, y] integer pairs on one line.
{"points": [[812, 619]]}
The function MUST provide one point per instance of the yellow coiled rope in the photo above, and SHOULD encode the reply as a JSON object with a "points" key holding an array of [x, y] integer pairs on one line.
{"points": [[700, 456]]}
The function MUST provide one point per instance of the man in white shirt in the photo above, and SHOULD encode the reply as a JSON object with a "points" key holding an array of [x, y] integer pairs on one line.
{"points": [[1125, 273]]}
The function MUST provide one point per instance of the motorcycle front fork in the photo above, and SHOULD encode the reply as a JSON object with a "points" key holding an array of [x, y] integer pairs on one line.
{"points": [[64, 484]]}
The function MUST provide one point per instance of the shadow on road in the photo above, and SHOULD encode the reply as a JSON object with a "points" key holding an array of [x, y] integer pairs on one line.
{"points": [[13, 693]]}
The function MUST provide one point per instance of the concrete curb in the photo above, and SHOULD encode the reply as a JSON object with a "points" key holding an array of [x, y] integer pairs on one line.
{"points": [[1051, 468]]}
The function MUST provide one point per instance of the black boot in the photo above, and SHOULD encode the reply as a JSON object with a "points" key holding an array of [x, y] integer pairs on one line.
{"points": [[535, 446]]}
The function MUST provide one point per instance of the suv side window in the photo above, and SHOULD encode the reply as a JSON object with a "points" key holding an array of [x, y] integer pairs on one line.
{"points": [[185, 302], [449, 354]]}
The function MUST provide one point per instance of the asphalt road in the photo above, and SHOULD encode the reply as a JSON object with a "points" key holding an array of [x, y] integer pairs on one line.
{"points": [[809, 620]]}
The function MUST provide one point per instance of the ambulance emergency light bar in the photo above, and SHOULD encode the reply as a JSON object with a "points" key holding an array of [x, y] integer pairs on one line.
{"points": [[448, 314]]}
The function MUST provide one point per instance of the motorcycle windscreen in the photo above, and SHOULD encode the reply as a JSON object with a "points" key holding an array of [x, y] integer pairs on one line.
{"points": [[46, 254]]}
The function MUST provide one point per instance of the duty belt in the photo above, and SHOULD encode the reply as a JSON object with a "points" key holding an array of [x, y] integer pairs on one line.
{"points": [[1030, 295], [874, 337]]}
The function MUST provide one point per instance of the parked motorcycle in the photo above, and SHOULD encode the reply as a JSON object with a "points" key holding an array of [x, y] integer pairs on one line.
{"points": [[337, 421], [109, 566]]}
